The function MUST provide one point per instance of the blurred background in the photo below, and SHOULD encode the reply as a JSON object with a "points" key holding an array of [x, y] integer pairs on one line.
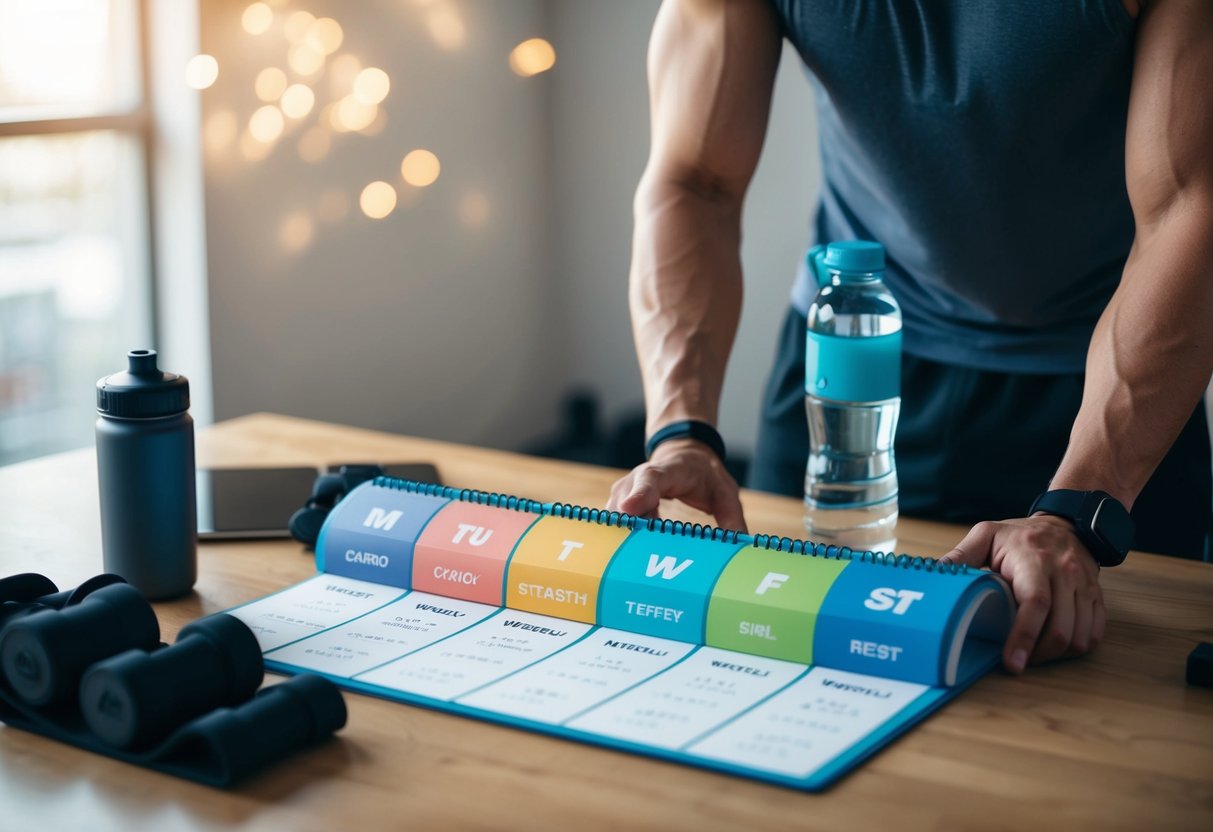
{"points": [[410, 215]]}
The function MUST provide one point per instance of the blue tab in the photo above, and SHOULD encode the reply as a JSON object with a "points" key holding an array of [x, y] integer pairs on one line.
{"points": [[370, 534], [889, 621], [659, 584], [853, 369]]}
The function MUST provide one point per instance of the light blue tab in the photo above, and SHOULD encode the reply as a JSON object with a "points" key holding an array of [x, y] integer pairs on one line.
{"points": [[659, 584], [370, 534], [859, 369]]}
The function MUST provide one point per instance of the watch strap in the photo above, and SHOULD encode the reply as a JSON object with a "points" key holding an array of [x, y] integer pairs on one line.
{"points": [[687, 429]]}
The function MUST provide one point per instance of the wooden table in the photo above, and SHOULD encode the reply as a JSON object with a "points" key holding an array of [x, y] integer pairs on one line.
{"points": [[1112, 741]]}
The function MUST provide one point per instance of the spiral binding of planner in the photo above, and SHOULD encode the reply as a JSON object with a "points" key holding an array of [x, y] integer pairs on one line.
{"points": [[756, 655]]}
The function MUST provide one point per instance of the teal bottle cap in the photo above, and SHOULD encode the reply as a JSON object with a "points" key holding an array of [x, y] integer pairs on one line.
{"points": [[855, 256]]}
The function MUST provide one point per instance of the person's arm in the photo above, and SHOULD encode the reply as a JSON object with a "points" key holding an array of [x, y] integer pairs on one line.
{"points": [[711, 70], [1151, 355]]}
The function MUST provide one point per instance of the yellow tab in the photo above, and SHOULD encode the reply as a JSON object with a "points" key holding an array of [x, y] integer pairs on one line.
{"points": [[558, 566]]}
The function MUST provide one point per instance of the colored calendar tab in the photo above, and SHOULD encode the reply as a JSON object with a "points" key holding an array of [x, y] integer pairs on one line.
{"points": [[889, 622], [557, 567], [658, 584], [767, 603], [371, 533], [464, 549]]}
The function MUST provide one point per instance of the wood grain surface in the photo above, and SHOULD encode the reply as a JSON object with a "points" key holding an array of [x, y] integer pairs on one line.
{"points": [[1112, 741]]}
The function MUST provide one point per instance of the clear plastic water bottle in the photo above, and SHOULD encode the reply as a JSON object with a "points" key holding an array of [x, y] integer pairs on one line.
{"points": [[852, 397]]}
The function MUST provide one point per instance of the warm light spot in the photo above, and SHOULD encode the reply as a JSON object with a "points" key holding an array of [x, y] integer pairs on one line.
{"points": [[220, 130], [372, 85], [420, 168], [351, 114], [325, 35], [297, 100], [251, 148], [305, 59], [342, 72], [333, 206], [296, 231], [270, 84], [378, 200], [474, 210], [201, 71], [314, 145], [446, 28], [257, 18], [377, 125], [297, 24], [532, 57], [266, 124]]}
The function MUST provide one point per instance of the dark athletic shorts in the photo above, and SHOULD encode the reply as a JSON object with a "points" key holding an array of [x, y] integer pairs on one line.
{"points": [[977, 445]]}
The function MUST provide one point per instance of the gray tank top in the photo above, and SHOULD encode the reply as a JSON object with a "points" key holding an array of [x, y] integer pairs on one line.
{"points": [[982, 142]]}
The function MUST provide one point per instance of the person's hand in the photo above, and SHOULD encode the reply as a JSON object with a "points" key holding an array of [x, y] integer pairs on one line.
{"points": [[681, 469], [1055, 581]]}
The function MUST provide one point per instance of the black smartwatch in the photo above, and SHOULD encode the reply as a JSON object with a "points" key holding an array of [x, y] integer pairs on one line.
{"points": [[1100, 520]]}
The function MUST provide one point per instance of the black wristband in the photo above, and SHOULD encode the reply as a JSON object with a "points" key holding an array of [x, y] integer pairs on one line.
{"points": [[689, 429]]}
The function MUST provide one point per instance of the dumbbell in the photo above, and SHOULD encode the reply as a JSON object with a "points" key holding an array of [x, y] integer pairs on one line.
{"points": [[44, 654], [136, 698], [30, 592], [280, 719]]}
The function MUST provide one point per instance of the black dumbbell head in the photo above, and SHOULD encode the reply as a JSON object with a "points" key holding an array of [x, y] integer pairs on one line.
{"points": [[243, 666], [43, 655]]}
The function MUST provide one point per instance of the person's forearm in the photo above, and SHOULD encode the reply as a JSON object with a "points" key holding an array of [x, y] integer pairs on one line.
{"points": [[1150, 358], [685, 295]]}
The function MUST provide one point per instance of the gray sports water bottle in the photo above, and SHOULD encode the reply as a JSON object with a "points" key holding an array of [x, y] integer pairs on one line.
{"points": [[145, 466]]}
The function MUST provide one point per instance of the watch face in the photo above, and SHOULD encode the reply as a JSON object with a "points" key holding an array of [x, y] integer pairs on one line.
{"points": [[1112, 523]]}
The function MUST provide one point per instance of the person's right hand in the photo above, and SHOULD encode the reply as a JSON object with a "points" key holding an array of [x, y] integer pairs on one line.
{"points": [[681, 469]]}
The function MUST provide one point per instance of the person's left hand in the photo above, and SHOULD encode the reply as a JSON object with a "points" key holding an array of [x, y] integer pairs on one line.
{"points": [[1054, 579]]}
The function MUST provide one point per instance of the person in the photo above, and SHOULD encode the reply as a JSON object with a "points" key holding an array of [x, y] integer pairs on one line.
{"points": [[1041, 176]]}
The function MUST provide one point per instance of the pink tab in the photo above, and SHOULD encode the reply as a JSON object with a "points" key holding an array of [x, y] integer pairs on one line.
{"points": [[462, 553]]}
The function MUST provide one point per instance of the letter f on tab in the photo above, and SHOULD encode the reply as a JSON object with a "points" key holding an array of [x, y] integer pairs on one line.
{"points": [[382, 520], [669, 567], [772, 580]]}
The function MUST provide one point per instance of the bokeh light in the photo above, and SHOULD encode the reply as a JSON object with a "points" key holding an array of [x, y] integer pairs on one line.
{"points": [[324, 36], [297, 25], [420, 168], [532, 57], [446, 28], [266, 124], [350, 115], [305, 59], [474, 210], [270, 84], [257, 18], [296, 231], [201, 71], [297, 100], [372, 85], [342, 72], [378, 199]]}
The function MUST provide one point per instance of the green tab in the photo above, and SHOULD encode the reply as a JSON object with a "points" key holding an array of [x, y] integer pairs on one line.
{"points": [[766, 603]]}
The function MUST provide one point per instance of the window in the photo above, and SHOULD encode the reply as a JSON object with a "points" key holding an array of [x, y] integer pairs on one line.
{"points": [[75, 281]]}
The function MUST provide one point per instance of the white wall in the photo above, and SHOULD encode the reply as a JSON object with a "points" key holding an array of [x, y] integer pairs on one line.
{"points": [[419, 324], [600, 144]]}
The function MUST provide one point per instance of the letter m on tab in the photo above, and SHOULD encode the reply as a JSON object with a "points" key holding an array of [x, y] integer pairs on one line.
{"points": [[382, 520], [669, 567]]}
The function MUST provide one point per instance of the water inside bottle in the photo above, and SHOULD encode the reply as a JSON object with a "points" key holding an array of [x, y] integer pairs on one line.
{"points": [[851, 478]]}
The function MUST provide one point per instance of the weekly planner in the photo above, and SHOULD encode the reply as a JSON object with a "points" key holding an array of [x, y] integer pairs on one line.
{"points": [[777, 659]]}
